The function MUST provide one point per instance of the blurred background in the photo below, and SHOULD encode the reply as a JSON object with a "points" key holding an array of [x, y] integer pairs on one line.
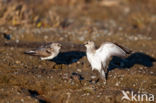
{"points": [[81, 20], [26, 24]]}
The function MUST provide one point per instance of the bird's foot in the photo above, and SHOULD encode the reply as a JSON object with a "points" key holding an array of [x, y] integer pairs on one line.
{"points": [[104, 82]]}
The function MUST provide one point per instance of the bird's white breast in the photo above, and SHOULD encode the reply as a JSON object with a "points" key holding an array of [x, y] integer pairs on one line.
{"points": [[95, 61]]}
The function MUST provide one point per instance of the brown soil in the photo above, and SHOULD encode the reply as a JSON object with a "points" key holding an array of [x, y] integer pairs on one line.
{"points": [[67, 79]]}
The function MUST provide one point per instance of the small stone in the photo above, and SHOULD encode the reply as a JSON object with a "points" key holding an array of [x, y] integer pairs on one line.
{"points": [[17, 41], [98, 96], [121, 78], [22, 100], [12, 48], [72, 83], [126, 10], [39, 76], [45, 37], [120, 28], [135, 38], [151, 72], [117, 84], [18, 93], [61, 38], [88, 94], [93, 77], [79, 70], [78, 62], [81, 38], [18, 62]]}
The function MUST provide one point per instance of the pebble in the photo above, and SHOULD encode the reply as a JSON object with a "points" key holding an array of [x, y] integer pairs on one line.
{"points": [[81, 38], [18, 93], [39, 76], [117, 84], [12, 48], [65, 81], [22, 100], [17, 41], [151, 72], [98, 96], [88, 94], [79, 70], [141, 68], [45, 37], [93, 77], [65, 76], [121, 78], [72, 83], [78, 62], [126, 10], [18, 62], [120, 28]]}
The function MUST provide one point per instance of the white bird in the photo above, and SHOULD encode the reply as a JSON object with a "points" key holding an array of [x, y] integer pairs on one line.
{"points": [[99, 58], [46, 52]]}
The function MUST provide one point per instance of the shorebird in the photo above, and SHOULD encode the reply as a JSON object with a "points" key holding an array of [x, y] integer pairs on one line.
{"points": [[46, 52], [99, 58]]}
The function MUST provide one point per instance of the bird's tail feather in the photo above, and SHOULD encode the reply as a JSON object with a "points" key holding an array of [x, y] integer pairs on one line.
{"points": [[30, 52]]}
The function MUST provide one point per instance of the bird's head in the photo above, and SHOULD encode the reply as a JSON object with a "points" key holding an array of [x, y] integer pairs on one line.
{"points": [[89, 44], [56, 45]]}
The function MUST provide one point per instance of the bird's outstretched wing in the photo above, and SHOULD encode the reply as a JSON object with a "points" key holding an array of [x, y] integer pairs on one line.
{"points": [[128, 51], [109, 49]]}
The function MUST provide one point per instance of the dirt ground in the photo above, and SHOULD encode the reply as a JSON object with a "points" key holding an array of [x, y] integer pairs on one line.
{"points": [[27, 24]]}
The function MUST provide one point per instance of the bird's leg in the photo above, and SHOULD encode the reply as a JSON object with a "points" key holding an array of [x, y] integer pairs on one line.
{"points": [[106, 68], [103, 75], [95, 76], [104, 71]]}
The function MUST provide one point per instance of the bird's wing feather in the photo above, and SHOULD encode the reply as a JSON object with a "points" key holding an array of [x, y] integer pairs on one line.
{"points": [[44, 52], [109, 49], [128, 51]]}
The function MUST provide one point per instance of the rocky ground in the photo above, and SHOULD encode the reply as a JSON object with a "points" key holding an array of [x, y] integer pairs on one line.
{"points": [[26, 24]]}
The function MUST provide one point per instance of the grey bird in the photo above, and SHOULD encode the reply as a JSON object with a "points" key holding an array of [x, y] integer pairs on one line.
{"points": [[46, 52]]}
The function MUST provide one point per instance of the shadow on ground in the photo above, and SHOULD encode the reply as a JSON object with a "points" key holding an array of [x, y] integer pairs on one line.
{"points": [[34, 94], [135, 58], [68, 57]]}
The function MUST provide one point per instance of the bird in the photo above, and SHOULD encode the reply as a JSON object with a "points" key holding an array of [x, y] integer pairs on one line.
{"points": [[99, 58], [46, 52]]}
